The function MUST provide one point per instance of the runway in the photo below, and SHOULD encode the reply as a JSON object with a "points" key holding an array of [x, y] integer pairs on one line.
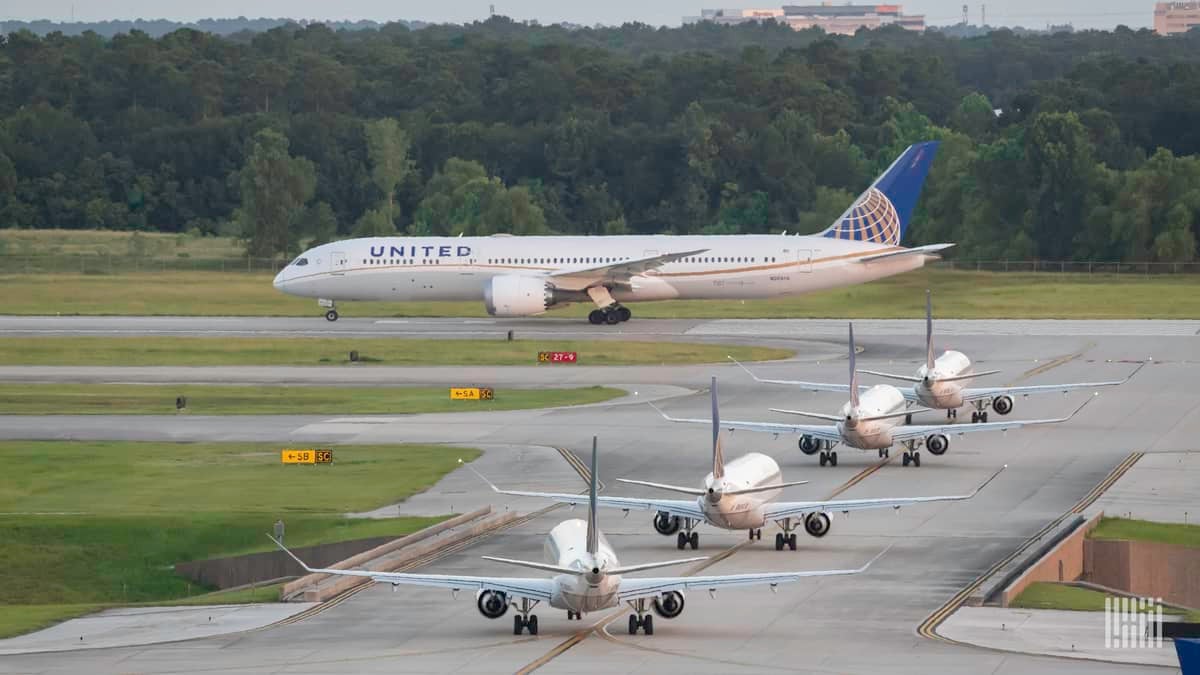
{"points": [[865, 623]]}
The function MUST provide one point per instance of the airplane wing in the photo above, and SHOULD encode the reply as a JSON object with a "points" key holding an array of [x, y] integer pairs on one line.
{"points": [[534, 589], [580, 278], [977, 393], [825, 432], [632, 589], [676, 507], [915, 431], [778, 510]]}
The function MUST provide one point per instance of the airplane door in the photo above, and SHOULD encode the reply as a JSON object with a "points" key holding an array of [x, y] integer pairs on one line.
{"points": [[339, 262], [804, 260]]}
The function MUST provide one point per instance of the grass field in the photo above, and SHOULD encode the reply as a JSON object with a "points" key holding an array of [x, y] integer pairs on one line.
{"points": [[203, 351], [129, 399], [1145, 530], [1049, 595], [958, 294], [92, 524]]}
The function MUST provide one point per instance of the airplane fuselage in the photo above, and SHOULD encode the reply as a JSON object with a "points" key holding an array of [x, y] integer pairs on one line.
{"points": [[882, 399], [566, 546], [742, 512], [934, 393], [414, 269]]}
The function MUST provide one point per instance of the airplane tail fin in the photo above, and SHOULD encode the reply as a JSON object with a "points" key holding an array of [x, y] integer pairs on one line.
{"points": [[853, 372], [882, 213], [928, 331], [718, 469], [593, 532]]}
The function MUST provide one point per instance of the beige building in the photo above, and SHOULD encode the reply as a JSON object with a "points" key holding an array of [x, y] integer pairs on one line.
{"points": [[831, 18], [1171, 18]]}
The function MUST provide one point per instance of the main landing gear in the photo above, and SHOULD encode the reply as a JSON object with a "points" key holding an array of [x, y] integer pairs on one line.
{"points": [[979, 415], [613, 314], [523, 620], [884, 452], [574, 616], [756, 533], [609, 311], [640, 618], [911, 456], [787, 537], [332, 314], [829, 457], [688, 537]]}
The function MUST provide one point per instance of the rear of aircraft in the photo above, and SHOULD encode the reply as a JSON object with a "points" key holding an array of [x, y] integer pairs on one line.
{"points": [[883, 212]]}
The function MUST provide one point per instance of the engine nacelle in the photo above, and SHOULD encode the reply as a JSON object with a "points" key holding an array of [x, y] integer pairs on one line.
{"points": [[669, 605], [492, 604], [817, 524], [809, 445], [1002, 405], [666, 524], [937, 444], [513, 295]]}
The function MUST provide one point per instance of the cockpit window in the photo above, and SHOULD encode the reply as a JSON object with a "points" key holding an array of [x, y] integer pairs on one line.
{"points": [[300, 262]]}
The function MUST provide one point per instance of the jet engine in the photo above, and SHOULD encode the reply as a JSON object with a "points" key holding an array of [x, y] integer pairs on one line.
{"points": [[809, 445], [1002, 405], [513, 295], [669, 605], [817, 524], [937, 444], [666, 524], [492, 604]]}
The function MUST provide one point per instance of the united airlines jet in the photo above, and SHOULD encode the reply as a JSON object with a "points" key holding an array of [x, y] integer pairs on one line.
{"points": [[526, 276]]}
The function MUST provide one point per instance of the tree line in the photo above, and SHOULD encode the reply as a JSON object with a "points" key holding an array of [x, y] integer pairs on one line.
{"points": [[1079, 146]]}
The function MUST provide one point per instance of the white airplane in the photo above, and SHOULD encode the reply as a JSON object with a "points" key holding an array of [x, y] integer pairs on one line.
{"points": [[871, 420], [587, 578], [738, 496], [525, 276], [937, 382]]}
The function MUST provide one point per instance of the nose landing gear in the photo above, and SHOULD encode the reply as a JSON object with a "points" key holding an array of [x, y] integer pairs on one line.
{"points": [[332, 314]]}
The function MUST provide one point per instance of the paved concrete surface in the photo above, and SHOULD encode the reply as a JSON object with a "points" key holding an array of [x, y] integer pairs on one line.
{"points": [[149, 625], [1160, 487], [1073, 635], [850, 624]]}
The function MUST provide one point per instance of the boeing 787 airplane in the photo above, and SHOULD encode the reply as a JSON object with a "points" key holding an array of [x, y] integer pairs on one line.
{"points": [[526, 276]]}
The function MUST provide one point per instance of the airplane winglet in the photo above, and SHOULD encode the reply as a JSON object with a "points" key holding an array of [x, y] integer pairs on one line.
{"points": [[879, 555], [990, 479], [290, 554], [660, 412], [1082, 406], [743, 367], [481, 476]]}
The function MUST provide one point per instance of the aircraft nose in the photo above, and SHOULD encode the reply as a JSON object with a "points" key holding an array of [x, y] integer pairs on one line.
{"points": [[279, 280]]}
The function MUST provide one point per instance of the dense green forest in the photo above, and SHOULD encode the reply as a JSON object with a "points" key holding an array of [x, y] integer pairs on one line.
{"points": [[1070, 146]]}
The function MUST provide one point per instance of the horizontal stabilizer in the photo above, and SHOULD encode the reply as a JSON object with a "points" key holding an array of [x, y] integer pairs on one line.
{"points": [[663, 486], [891, 376], [968, 376], [902, 413], [654, 565], [931, 249], [802, 413], [545, 567], [765, 488]]}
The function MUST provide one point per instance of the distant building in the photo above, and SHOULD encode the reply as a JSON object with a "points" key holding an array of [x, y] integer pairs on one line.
{"points": [[1171, 18], [839, 19]]}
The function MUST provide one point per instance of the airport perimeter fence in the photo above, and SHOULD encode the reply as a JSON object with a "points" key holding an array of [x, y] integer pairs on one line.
{"points": [[84, 263]]}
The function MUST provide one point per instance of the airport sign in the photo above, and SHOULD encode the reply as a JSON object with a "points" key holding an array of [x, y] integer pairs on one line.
{"points": [[558, 357], [471, 394], [306, 456]]}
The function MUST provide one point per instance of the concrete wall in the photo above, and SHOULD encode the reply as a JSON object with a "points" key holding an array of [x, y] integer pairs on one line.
{"points": [[245, 569], [1064, 562], [1148, 569]]}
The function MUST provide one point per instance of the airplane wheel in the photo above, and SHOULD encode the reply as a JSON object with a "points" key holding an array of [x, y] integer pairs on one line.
{"points": [[758, 534], [917, 459], [681, 541], [791, 541], [778, 541], [611, 318], [983, 416], [623, 314], [824, 458], [907, 458], [833, 459], [648, 625], [887, 452], [633, 624], [974, 417], [518, 624], [596, 317], [908, 419], [531, 624], [331, 315], [695, 540]]}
